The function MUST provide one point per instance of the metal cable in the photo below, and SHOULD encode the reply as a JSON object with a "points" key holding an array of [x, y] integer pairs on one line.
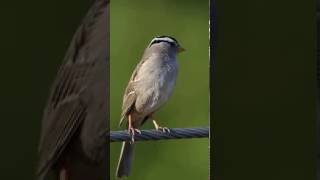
{"points": [[147, 135]]}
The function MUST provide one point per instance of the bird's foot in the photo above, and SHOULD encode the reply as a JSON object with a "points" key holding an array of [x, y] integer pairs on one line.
{"points": [[163, 129], [132, 131], [159, 128]]}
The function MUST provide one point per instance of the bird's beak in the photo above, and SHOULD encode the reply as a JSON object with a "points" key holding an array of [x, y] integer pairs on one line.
{"points": [[181, 49]]}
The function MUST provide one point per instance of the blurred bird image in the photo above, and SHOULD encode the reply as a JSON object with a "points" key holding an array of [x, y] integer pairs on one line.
{"points": [[74, 127], [149, 87]]}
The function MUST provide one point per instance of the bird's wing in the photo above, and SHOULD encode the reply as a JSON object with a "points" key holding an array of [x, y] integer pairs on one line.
{"points": [[130, 96], [63, 115], [66, 107]]}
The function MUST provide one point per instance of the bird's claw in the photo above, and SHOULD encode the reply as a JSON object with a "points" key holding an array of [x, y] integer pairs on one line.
{"points": [[163, 129], [132, 131], [159, 128]]}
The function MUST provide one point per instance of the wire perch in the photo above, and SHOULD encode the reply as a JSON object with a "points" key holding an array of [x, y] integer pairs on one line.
{"points": [[147, 135]]}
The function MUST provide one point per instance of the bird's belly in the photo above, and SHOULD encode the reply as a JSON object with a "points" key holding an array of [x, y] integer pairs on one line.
{"points": [[155, 89]]}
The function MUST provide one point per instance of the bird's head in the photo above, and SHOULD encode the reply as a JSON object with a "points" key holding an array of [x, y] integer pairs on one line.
{"points": [[167, 40]]}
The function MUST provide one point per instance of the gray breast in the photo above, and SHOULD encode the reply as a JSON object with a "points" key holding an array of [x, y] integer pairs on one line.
{"points": [[154, 82]]}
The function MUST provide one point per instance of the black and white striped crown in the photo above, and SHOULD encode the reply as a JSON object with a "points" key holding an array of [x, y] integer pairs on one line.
{"points": [[167, 39]]}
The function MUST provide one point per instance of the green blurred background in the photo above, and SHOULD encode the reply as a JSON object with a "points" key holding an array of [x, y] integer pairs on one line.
{"points": [[133, 25]]}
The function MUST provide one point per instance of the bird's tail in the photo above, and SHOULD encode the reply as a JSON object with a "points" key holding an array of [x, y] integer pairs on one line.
{"points": [[126, 156]]}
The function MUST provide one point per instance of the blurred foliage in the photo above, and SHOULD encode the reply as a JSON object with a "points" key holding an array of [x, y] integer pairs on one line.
{"points": [[133, 25]]}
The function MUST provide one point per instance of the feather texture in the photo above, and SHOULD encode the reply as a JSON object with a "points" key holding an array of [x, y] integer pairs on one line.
{"points": [[75, 119]]}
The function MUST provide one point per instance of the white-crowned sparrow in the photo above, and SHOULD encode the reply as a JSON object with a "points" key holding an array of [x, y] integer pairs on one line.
{"points": [[150, 86], [75, 121]]}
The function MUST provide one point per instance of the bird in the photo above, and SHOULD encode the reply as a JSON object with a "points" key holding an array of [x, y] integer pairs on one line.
{"points": [[74, 127], [150, 86]]}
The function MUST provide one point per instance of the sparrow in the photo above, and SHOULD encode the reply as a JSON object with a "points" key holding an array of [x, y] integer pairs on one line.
{"points": [[149, 87], [73, 141]]}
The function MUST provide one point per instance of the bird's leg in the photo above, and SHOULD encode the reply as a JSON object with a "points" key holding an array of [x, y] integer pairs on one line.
{"points": [[159, 128], [131, 129]]}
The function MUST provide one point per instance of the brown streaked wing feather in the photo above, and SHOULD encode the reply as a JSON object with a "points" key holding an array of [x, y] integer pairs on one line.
{"points": [[63, 114], [61, 133], [65, 111], [128, 101], [128, 97]]}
